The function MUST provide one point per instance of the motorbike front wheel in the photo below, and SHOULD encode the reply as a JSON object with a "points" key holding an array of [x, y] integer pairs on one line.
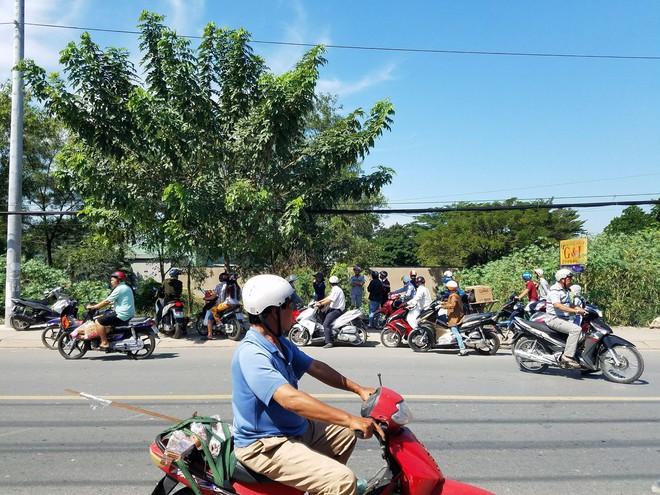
{"points": [[531, 346], [71, 347], [49, 336], [621, 364], [149, 342], [18, 323], [299, 336], [492, 342], [379, 320], [390, 338], [420, 340]]}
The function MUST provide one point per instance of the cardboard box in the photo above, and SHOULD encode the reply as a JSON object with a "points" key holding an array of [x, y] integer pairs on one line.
{"points": [[482, 293]]}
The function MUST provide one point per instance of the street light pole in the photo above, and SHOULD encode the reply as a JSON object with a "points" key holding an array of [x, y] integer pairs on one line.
{"points": [[15, 196]]}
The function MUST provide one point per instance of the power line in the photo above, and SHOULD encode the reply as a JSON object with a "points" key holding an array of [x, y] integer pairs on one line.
{"points": [[373, 48], [404, 202]]}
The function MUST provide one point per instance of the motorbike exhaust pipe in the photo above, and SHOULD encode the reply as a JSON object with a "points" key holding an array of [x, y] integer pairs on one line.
{"points": [[538, 358]]}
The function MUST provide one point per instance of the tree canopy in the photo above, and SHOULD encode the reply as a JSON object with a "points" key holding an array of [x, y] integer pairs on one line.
{"points": [[210, 153], [634, 219]]}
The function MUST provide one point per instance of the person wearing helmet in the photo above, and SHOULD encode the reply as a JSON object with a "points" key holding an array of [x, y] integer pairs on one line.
{"points": [[385, 292], [558, 310], [576, 295], [420, 301], [170, 290], [455, 315], [413, 278], [336, 302], [219, 295], [542, 284], [375, 290], [357, 287], [448, 274], [319, 286], [123, 302], [408, 290], [279, 430], [530, 289], [296, 300]]}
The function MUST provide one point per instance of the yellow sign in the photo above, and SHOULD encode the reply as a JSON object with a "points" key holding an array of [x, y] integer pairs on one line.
{"points": [[573, 252]]}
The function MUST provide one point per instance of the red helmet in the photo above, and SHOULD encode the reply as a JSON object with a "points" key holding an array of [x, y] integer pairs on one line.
{"points": [[119, 275], [413, 274]]}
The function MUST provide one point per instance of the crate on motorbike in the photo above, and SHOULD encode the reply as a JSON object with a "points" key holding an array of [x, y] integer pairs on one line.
{"points": [[479, 294], [201, 440], [86, 331]]}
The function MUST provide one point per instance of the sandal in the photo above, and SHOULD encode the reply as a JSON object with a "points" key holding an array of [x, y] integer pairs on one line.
{"points": [[206, 337], [104, 348], [571, 363]]}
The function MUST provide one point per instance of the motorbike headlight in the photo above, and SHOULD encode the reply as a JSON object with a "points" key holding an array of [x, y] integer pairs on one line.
{"points": [[403, 414], [600, 314]]}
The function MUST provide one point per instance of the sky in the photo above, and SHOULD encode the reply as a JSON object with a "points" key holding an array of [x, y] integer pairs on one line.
{"points": [[468, 127]]}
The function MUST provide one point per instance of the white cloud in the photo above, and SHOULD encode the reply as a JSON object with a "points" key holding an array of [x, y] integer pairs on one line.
{"points": [[343, 88], [185, 16]]}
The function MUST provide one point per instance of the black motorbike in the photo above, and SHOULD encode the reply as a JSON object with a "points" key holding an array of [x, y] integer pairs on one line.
{"points": [[537, 347], [172, 320], [513, 308], [28, 312], [479, 332], [136, 339], [232, 322]]}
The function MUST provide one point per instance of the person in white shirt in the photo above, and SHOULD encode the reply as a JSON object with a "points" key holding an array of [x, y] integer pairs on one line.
{"points": [[419, 302], [542, 287], [336, 302]]}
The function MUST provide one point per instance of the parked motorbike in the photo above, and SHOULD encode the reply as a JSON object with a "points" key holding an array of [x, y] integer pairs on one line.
{"points": [[232, 322], [410, 468], [28, 312], [136, 339], [54, 329], [397, 329], [537, 347], [308, 328], [513, 308], [478, 331], [172, 321], [381, 315]]}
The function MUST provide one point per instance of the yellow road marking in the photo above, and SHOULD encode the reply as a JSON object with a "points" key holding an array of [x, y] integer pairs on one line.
{"points": [[411, 397]]}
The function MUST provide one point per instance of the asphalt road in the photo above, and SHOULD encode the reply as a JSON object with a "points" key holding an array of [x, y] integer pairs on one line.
{"points": [[485, 422]]}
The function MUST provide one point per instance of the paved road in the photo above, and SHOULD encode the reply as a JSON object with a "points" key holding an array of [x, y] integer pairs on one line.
{"points": [[484, 421]]}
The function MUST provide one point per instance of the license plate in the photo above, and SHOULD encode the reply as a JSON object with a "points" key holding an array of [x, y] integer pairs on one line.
{"points": [[239, 316], [178, 314]]}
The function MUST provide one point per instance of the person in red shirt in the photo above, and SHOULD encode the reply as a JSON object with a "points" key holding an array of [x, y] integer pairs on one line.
{"points": [[530, 288]]}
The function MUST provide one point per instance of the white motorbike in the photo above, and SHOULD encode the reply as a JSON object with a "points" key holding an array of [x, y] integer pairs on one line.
{"points": [[308, 328]]}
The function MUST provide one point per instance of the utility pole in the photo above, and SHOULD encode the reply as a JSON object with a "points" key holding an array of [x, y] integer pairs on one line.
{"points": [[15, 203]]}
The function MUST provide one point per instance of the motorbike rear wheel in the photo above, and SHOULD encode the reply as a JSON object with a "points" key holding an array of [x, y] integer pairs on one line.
{"points": [[630, 367], [179, 330], [379, 321], [237, 330], [49, 336], [71, 347], [19, 324], [492, 341], [420, 340], [531, 346], [361, 334], [299, 336], [390, 338], [199, 325], [149, 346]]}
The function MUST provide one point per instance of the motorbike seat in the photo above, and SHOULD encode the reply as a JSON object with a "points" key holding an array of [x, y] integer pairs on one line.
{"points": [[245, 475], [138, 320], [33, 303], [539, 325]]}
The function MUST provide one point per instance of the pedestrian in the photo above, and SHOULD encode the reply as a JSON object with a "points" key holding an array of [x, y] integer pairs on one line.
{"points": [[375, 290], [319, 286], [357, 287], [336, 302], [455, 315]]}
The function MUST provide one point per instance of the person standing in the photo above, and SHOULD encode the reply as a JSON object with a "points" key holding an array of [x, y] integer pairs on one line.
{"points": [[336, 302], [543, 287], [319, 286], [375, 290], [455, 315], [357, 287]]}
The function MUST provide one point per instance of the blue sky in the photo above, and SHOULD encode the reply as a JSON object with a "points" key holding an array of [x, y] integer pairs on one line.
{"points": [[467, 127]]}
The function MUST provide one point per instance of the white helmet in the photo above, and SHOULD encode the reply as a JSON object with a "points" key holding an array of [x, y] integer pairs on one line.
{"points": [[563, 273], [334, 279], [452, 285], [576, 289], [263, 291], [448, 273], [405, 279], [538, 271]]}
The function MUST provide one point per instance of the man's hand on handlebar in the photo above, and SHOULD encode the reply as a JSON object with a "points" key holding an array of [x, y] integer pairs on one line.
{"points": [[366, 427]]}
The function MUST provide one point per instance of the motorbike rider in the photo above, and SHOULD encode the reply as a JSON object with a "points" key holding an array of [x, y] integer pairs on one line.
{"points": [[559, 309], [219, 295], [170, 290], [296, 300], [418, 303], [413, 278], [122, 299], [542, 285], [530, 291], [408, 289], [280, 431], [386, 286], [336, 302], [576, 295], [455, 315]]}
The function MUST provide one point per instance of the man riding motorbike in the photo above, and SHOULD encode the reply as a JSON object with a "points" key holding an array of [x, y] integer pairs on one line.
{"points": [[280, 431], [124, 308], [171, 289]]}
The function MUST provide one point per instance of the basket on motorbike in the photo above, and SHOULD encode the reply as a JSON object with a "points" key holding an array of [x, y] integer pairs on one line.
{"points": [[202, 449]]}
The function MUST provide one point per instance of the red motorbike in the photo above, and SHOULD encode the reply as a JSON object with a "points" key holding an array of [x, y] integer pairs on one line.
{"points": [[397, 328], [409, 469], [381, 315]]}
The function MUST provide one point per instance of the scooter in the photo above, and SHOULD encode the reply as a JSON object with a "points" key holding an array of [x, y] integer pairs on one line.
{"points": [[28, 312], [381, 315], [409, 467], [478, 331], [136, 339], [308, 328], [172, 321], [397, 329], [232, 322], [536, 347], [513, 308]]}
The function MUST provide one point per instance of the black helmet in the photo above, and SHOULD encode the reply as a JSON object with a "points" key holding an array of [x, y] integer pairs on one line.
{"points": [[223, 277], [421, 280], [374, 274], [383, 274], [319, 275]]}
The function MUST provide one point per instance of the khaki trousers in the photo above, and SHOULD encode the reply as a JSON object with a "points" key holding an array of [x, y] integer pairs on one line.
{"points": [[567, 327], [314, 462]]}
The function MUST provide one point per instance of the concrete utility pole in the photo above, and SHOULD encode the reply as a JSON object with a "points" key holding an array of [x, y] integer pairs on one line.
{"points": [[15, 203]]}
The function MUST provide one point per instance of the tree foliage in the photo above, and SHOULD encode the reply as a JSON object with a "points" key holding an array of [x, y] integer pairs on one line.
{"points": [[469, 238], [633, 219], [210, 154], [397, 245]]}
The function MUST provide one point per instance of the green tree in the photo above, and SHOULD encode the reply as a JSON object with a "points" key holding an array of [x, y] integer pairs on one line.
{"points": [[397, 245], [633, 219], [210, 154], [471, 238]]}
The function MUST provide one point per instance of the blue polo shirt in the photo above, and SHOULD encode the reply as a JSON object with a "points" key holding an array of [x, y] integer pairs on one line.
{"points": [[258, 369]]}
